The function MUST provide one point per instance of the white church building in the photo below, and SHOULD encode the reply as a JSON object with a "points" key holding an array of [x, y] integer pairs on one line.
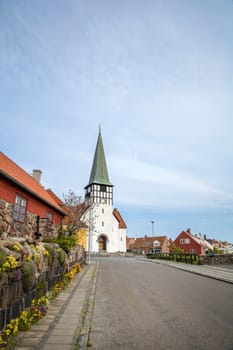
{"points": [[106, 227]]}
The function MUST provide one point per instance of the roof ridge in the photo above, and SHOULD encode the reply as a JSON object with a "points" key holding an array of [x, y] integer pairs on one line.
{"points": [[17, 174], [18, 166]]}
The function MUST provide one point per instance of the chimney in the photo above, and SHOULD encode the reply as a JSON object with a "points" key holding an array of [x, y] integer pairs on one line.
{"points": [[37, 174]]}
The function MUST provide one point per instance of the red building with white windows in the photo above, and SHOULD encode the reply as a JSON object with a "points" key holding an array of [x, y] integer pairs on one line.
{"points": [[148, 245], [23, 200], [193, 244]]}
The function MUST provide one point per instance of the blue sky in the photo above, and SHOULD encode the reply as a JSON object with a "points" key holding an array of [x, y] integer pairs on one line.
{"points": [[156, 74]]}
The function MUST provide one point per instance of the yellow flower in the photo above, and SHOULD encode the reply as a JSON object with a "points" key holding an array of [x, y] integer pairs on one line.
{"points": [[46, 253], [7, 332], [16, 247], [10, 263]]}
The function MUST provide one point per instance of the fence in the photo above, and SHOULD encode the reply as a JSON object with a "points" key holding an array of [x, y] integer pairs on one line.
{"points": [[14, 298], [18, 300]]}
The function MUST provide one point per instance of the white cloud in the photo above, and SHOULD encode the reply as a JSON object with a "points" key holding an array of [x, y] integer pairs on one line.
{"points": [[156, 185], [158, 78]]}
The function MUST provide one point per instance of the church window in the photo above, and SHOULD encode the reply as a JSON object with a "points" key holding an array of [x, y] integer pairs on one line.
{"points": [[103, 211], [102, 223]]}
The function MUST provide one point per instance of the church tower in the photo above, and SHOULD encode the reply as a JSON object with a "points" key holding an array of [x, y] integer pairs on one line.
{"points": [[104, 233], [99, 188]]}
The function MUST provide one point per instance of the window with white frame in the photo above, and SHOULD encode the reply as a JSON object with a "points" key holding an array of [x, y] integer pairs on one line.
{"points": [[184, 241], [19, 209], [193, 251], [49, 216], [156, 243]]}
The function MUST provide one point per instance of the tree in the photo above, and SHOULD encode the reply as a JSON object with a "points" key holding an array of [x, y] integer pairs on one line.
{"points": [[216, 250], [75, 209], [176, 250]]}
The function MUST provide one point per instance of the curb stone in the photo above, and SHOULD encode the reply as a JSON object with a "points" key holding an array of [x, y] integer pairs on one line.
{"points": [[36, 337], [187, 268], [84, 333]]}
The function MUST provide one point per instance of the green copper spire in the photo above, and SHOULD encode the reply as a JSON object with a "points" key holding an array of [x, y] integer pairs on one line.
{"points": [[99, 171]]}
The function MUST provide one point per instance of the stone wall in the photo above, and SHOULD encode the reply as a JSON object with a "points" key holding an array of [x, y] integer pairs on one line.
{"points": [[9, 227], [40, 267], [217, 259]]}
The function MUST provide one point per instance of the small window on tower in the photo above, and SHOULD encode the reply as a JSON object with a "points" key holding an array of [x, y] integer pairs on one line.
{"points": [[102, 223], [103, 211], [102, 188]]}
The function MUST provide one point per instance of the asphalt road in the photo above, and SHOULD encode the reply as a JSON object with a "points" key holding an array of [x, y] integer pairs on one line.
{"points": [[141, 305]]}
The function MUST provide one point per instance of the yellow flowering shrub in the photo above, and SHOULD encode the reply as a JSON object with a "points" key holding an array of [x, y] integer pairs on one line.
{"points": [[24, 320], [10, 263], [12, 328], [3, 341], [27, 317]]}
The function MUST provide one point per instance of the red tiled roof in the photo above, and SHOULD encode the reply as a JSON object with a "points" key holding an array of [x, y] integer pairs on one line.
{"points": [[76, 213], [214, 241], [129, 242], [60, 204], [119, 218], [16, 174], [56, 198], [148, 241], [79, 210]]}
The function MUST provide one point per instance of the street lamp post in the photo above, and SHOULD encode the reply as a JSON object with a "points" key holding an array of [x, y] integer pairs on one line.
{"points": [[152, 223], [152, 227]]}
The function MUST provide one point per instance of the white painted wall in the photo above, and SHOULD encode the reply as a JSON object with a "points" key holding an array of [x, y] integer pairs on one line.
{"points": [[102, 222]]}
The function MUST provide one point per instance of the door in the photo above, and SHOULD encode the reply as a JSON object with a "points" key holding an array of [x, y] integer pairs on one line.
{"points": [[102, 243]]}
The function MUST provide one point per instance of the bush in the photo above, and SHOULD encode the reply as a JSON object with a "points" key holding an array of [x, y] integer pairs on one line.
{"points": [[3, 255], [66, 243], [28, 274], [61, 256], [51, 253]]}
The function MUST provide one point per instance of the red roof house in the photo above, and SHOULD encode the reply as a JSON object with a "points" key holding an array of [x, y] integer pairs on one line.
{"points": [[119, 218], [129, 243], [25, 205], [194, 244], [148, 245]]}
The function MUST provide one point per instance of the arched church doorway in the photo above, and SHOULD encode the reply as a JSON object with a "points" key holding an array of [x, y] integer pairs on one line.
{"points": [[102, 243]]}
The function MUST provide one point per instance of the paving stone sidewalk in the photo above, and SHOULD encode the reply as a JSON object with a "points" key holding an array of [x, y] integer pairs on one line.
{"points": [[224, 274], [60, 327]]}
